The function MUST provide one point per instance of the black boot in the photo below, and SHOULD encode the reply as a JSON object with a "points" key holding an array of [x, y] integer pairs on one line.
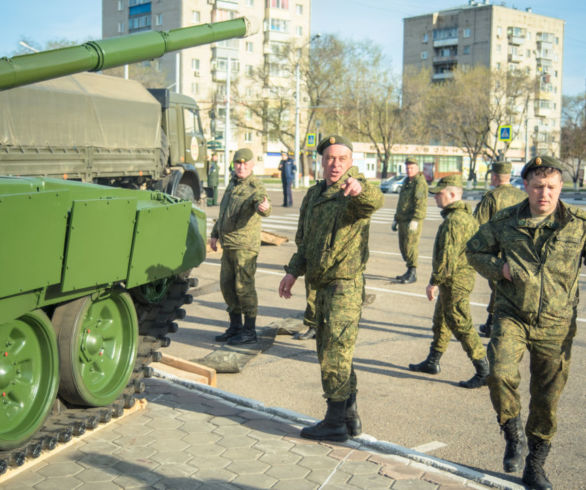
{"points": [[534, 475], [479, 379], [430, 365], [410, 277], [353, 422], [233, 329], [486, 329], [332, 427], [309, 334], [247, 335], [401, 277], [516, 444]]}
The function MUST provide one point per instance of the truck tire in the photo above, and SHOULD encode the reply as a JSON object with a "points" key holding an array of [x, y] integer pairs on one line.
{"points": [[185, 191]]}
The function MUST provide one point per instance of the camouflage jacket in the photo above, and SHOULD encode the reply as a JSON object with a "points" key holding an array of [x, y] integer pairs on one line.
{"points": [[238, 225], [496, 199], [450, 265], [412, 199], [332, 234], [544, 260]]}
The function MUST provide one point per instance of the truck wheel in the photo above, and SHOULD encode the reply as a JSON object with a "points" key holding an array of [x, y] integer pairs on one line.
{"points": [[97, 340], [185, 192], [29, 376]]}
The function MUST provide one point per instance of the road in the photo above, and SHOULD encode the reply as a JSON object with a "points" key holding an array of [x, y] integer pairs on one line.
{"points": [[425, 412]]}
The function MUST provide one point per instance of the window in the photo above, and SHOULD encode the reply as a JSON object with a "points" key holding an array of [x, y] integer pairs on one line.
{"points": [[132, 3], [466, 32], [248, 136], [425, 37], [249, 47], [139, 23], [221, 14], [195, 88], [159, 19], [250, 3], [498, 65], [248, 114], [120, 27], [499, 31], [448, 33], [120, 5], [195, 64], [278, 4], [279, 25], [498, 48], [249, 70], [466, 50], [195, 17], [423, 55], [299, 9], [299, 31]]}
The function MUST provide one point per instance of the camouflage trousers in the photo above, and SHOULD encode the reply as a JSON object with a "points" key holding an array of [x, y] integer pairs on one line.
{"points": [[452, 316], [549, 350], [409, 242], [237, 281], [338, 310], [309, 315]]}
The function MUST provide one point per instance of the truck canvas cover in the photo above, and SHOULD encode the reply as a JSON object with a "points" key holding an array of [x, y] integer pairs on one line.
{"points": [[83, 110]]}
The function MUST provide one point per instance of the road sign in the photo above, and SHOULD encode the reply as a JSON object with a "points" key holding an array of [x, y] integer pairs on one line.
{"points": [[505, 133], [214, 145], [311, 140]]}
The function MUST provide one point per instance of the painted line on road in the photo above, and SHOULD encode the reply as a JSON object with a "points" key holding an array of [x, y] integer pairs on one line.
{"points": [[430, 446], [383, 290]]}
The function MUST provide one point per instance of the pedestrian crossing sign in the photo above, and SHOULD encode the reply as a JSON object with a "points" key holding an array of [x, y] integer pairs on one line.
{"points": [[505, 133], [311, 140]]}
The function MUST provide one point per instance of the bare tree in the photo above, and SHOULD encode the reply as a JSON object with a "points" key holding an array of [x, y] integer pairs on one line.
{"points": [[573, 139]]}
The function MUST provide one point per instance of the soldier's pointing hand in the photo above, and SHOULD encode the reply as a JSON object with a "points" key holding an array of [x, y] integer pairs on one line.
{"points": [[351, 187]]}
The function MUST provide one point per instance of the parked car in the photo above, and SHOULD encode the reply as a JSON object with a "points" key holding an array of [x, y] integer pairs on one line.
{"points": [[393, 184], [518, 183]]}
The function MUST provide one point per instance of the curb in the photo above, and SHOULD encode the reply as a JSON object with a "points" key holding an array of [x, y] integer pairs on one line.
{"points": [[363, 441]]}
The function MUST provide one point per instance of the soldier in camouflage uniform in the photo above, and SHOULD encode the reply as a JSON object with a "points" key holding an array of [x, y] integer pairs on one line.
{"points": [[533, 252], [454, 278], [501, 196], [213, 175], [332, 254], [411, 210], [238, 230]]}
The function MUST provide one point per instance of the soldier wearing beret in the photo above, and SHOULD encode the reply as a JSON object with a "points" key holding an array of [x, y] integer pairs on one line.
{"points": [[533, 252], [411, 210], [238, 230], [453, 277], [501, 196], [332, 252]]}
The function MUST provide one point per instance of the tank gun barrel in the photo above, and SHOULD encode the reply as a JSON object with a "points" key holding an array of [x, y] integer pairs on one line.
{"points": [[108, 53]]}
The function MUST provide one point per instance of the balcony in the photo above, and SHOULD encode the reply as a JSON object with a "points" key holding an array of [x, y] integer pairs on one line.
{"points": [[227, 4], [440, 43], [516, 40], [445, 59], [544, 54], [446, 75], [515, 58]]}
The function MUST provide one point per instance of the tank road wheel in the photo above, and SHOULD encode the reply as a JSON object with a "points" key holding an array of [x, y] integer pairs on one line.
{"points": [[97, 340], [29, 376]]}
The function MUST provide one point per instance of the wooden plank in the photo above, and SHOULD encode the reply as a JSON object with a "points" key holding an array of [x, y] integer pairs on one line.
{"points": [[205, 372], [268, 238]]}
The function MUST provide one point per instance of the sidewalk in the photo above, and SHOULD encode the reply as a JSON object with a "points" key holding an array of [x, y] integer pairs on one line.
{"points": [[195, 436]]}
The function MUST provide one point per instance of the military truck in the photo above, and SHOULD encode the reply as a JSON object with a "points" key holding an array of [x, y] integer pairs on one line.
{"points": [[93, 276], [101, 129]]}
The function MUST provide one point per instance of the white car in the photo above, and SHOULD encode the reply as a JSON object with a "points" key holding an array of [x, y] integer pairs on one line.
{"points": [[393, 184]]}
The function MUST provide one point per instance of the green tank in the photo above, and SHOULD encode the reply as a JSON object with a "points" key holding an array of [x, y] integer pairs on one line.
{"points": [[93, 276]]}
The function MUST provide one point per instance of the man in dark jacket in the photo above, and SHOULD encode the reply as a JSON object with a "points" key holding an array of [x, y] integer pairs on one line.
{"points": [[287, 168]]}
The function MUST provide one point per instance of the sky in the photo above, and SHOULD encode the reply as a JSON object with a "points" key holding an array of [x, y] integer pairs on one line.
{"points": [[381, 21]]}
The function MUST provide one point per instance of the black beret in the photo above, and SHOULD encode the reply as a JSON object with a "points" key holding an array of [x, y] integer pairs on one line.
{"points": [[541, 162], [333, 139], [242, 155]]}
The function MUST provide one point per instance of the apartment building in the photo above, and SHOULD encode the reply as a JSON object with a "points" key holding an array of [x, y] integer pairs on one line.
{"points": [[500, 38], [202, 72]]}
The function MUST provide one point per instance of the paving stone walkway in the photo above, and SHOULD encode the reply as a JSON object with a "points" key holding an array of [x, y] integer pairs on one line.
{"points": [[189, 438]]}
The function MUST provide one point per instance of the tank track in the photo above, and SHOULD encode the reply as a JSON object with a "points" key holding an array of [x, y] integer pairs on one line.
{"points": [[65, 422]]}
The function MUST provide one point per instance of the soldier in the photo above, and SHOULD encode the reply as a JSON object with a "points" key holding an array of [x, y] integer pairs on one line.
{"points": [[332, 254], [213, 176], [533, 252], [453, 276], [411, 210], [287, 168], [501, 196], [238, 229]]}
